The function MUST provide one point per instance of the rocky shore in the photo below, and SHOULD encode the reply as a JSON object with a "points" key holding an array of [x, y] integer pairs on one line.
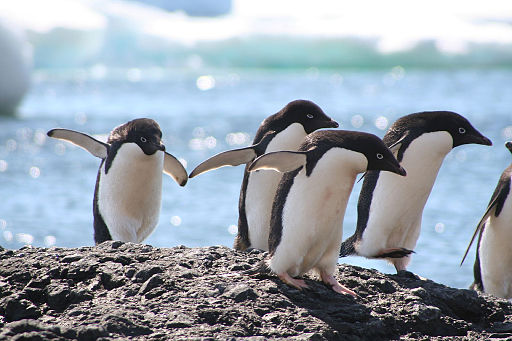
{"points": [[136, 292]]}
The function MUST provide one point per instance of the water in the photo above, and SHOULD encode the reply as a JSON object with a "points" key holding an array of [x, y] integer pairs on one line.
{"points": [[47, 185]]}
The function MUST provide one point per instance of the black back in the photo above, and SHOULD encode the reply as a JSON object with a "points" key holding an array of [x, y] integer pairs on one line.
{"points": [[310, 116], [405, 130], [147, 135], [315, 146]]}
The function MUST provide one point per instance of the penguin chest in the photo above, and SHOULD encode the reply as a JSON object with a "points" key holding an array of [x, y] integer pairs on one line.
{"points": [[397, 203], [496, 254], [130, 192], [312, 218], [262, 186]]}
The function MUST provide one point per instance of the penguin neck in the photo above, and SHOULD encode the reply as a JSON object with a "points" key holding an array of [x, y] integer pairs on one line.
{"points": [[339, 167], [423, 158]]}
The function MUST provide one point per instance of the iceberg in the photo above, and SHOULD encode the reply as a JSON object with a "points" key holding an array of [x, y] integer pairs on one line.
{"points": [[15, 67], [264, 34]]}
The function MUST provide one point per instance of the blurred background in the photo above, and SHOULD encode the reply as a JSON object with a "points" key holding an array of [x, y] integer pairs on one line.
{"points": [[210, 71]]}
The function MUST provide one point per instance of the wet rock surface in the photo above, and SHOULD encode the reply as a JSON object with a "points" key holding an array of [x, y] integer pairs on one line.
{"points": [[137, 292]]}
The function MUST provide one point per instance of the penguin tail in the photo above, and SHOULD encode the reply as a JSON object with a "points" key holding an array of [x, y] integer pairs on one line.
{"points": [[347, 247], [395, 253]]}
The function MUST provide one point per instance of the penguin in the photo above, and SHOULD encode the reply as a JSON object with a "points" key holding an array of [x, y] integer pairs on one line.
{"points": [[128, 190], [493, 264], [306, 224], [390, 208], [284, 130]]}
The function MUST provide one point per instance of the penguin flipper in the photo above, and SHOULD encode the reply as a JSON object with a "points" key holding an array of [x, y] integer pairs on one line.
{"points": [[395, 146], [283, 161], [233, 157], [501, 191], [347, 247], [89, 143], [175, 169]]}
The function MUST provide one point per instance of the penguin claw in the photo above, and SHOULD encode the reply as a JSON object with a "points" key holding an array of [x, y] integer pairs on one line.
{"points": [[335, 285], [296, 283]]}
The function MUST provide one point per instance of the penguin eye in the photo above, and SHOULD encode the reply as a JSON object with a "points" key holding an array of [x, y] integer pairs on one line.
{"points": [[462, 130], [380, 156], [143, 139], [310, 115]]}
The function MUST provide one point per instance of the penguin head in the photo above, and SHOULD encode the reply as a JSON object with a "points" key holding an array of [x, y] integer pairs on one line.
{"points": [[304, 112], [460, 129], [379, 156], [144, 132]]}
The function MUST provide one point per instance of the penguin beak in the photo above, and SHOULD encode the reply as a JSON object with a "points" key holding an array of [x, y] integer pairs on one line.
{"points": [[395, 167], [332, 124], [401, 171], [485, 141], [509, 146], [479, 139], [160, 146]]}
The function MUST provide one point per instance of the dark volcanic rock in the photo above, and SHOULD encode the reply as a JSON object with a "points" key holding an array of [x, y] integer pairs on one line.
{"points": [[137, 292]]}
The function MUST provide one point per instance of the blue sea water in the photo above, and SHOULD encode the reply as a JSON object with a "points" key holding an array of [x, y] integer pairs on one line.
{"points": [[47, 186]]}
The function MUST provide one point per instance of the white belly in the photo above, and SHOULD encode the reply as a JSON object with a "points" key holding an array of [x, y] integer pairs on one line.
{"points": [[313, 214], [262, 186], [130, 193], [398, 202], [496, 253]]}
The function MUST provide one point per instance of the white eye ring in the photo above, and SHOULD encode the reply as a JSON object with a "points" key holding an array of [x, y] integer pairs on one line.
{"points": [[143, 139], [462, 130], [310, 115], [380, 156]]}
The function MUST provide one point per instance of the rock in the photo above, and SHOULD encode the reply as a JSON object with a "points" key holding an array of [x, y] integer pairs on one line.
{"points": [[130, 291], [151, 283], [17, 308], [240, 293]]}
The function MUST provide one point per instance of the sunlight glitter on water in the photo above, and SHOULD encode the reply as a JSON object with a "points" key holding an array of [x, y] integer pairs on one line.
{"points": [[381, 122], [176, 220], [24, 238], [3, 165], [206, 82], [34, 172]]}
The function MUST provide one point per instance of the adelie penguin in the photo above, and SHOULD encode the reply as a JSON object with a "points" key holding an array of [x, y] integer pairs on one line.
{"points": [[390, 208], [307, 214], [493, 263], [284, 130], [128, 189]]}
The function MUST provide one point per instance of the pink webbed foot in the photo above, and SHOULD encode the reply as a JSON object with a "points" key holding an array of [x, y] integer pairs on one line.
{"points": [[296, 283], [335, 285]]}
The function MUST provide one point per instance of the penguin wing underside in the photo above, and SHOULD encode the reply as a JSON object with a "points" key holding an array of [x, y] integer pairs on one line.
{"points": [[89, 143], [283, 161], [496, 197], [229, 158], [175, 169]]}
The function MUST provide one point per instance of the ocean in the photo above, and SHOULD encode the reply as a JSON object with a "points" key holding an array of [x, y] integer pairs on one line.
{"points": [[209, 82], [48, 185]]}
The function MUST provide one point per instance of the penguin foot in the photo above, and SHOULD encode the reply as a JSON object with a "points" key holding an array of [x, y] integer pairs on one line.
{"points": [[335, 285], [394, 252], [296, 283]]}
